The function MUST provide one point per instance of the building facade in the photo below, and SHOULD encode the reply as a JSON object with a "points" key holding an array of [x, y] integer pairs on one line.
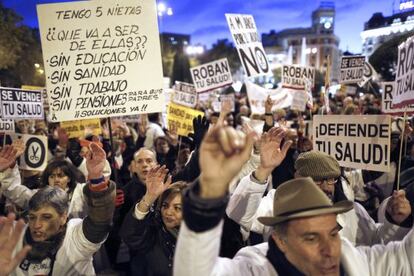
{"points": [[379, 28], [309, 46]]}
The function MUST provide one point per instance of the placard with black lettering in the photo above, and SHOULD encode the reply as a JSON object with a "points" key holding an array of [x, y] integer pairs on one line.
{"points": [[352, 69], [34, 157], [248, 44], [184, 94], [388, 90], [295, 77], [404, 79], [212, 75], [102, 58], [355, 141], [21, 104]]}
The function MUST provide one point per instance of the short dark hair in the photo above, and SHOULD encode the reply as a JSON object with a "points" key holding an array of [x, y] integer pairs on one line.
{"points": [[174, 189], [50, 196]]}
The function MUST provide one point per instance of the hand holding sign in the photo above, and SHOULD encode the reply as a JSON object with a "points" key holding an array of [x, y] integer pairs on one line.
{"points": [[399, 207], [7, 157], [95, 161]]}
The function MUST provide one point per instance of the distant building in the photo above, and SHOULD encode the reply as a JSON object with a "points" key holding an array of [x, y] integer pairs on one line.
{"points": [[320, 42], [380, 28]]}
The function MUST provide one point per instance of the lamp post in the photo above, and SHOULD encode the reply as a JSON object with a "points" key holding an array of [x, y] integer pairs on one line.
{"points": [[163, 10]]}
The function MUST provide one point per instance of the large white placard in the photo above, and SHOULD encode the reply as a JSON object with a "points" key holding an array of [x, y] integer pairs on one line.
{"points": [[21, 104], [248, 44], [388, 89], [257, 95], [211, 75], [404, 79], [102, 58], [352, 69], [360, 142], [297, 77]]}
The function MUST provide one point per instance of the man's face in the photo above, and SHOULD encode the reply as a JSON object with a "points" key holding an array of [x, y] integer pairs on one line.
{"points": [[313, 245], [144, 161], [45, 223]]}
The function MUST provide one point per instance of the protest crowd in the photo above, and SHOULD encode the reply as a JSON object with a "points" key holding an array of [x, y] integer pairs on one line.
{"points": [[297, 181]]}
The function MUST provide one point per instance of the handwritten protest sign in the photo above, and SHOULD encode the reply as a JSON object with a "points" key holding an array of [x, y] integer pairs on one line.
{"points": [[184, 94], [248, 44], [388, 89], [181, 118], [82, 128], [257, 96], [360, 142], [34, 157], [102, 58], [211, 75], [404, 92], [295, 77], [218, 102], [21, 104], [352, 69]]}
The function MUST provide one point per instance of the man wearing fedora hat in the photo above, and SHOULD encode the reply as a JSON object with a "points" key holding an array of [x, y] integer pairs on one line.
{"points": [[305, 240], [358, 227]]}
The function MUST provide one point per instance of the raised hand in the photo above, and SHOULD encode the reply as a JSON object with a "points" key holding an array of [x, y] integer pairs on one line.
{"points": [[156, 183], [20, 146], [268, 105], [143, 125], [8, 155], [271, 152], [172, 135], [200, 126], [9, 237], [225, 110], [223, 152], [95, 161], [399, 207]]}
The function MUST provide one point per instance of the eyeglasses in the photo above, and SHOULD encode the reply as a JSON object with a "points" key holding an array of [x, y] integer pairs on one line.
{"points": [[329, 182]]}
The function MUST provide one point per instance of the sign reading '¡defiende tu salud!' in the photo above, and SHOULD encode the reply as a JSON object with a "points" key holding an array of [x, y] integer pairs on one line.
{"points": [[101, 58]]}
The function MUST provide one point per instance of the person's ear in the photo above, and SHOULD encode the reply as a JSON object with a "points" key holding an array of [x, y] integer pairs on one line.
{"points": [[280, 242], [63, 218]]}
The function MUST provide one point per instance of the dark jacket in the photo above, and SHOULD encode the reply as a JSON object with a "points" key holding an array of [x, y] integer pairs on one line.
{"points": [[149, 243]]}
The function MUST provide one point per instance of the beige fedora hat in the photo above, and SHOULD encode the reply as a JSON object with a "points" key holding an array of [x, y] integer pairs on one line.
{"points": [[300, 198]]}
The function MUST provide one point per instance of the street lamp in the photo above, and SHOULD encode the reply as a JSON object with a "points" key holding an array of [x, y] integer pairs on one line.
{"points": [[163, 9]]}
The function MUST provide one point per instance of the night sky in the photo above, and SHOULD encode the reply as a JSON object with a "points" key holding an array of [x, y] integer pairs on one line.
{"points": [[206, 23]]}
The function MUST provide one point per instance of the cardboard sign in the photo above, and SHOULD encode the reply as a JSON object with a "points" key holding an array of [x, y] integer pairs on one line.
{"points": [[352, 69], [181, 118], [299, 100], [102, 58], [360, 142], [257, 95], [34, 157], [218, 101], [38, 88], [184, 94], [295, 77], [211, 75], [21, 104], [388, 89], [248, 44], [404, 79], [82, 128]]}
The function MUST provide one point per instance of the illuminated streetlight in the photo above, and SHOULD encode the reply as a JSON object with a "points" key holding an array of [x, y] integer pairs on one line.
{"points": [[162, 9], [37, 65], [194, 50]]}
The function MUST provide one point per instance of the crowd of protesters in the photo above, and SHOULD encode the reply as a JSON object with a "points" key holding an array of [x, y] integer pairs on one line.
{"points": [[246, 187]]}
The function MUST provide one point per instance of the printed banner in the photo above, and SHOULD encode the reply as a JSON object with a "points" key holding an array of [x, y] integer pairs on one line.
{"points": [[404, 93], [360, 142], [102, 58], [352, 69], [34, 157], [388, 89], [21, 104], [182, 118], [298, 77], [248, 44], [184, 94], [282, 97], [211, 75], [82, 128]]}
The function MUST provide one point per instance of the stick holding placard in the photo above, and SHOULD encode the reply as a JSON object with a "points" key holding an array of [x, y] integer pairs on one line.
{"points": [[401, 146]]}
